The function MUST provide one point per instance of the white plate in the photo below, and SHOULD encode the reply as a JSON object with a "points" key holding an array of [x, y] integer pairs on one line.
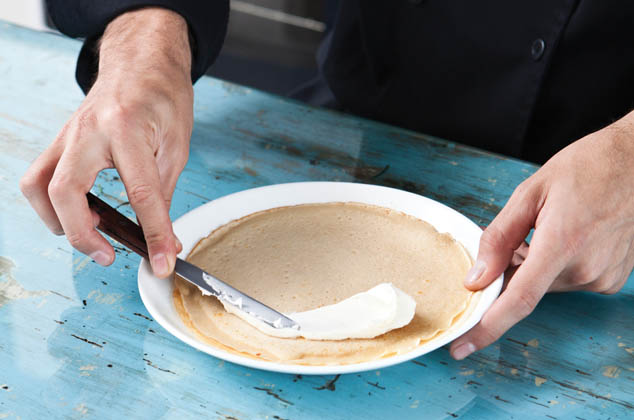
{"points": [[198, 223]]}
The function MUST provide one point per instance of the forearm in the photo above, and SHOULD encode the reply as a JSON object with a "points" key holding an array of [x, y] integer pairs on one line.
{"points": [[206, 20], [146, 42]]}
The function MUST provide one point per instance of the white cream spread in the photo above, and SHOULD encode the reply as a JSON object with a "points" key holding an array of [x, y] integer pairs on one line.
{"points": [[364, 315]]}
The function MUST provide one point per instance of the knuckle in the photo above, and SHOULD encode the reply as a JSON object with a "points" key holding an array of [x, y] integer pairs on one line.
{"points": [[493, 238], [130, 121], [609, 291], [141, 194], [86, 120], [115, 114], [597, 287], [63, 133], [585, 275], [29, 182], [527, 301], [117, 120], [123, 115], [487, 333], [76, 239], [523, 188], [529, 194], [486, 336], [155, 239], [605, 285], [59, 185]]}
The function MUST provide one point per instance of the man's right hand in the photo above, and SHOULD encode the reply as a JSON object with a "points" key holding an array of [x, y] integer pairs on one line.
{"points": [[136, 118]]}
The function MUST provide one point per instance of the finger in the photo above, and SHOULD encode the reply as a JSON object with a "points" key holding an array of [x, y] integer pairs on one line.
{"points": [[510, 272], [179, 245], [524, 291], [74, 176], [463, 346], [508, 275], [34, 186], [137, 166], [170, 165], [520, 254], [171, 161], [503, 236], [168, 192], [168, 179]]}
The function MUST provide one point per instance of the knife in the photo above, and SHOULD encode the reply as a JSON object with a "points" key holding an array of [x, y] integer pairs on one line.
{"points": [[125, 231]]}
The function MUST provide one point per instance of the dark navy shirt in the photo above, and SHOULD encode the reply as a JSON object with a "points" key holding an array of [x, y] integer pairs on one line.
{"points": [[522, 78]]}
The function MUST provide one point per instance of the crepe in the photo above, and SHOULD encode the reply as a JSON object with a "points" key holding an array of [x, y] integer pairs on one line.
{"points": [[302, 257]]}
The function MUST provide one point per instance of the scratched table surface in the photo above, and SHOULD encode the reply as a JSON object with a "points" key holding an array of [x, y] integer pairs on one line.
{"points": [[77, 342]]}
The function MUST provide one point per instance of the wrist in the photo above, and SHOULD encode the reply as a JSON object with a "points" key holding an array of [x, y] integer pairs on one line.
{"points": [[149, 42], [620, 136]]}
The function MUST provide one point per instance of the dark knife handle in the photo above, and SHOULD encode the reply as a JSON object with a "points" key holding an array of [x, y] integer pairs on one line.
{"points": [[117, 226]]}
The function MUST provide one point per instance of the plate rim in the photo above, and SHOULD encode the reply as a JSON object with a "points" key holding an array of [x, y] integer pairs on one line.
{"points": [[487, 297]]}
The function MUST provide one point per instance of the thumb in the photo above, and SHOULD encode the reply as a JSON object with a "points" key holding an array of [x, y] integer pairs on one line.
{"points": [[503, 236]]}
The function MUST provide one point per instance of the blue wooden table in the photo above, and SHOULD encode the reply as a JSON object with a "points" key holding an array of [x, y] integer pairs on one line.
{"points": [[76, 341]]}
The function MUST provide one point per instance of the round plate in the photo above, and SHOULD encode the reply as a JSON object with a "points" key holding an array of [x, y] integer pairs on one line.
{"points": [[198, 223]]}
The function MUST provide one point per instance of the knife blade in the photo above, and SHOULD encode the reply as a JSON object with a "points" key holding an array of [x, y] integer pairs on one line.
{"points": [[232, 296], [124, 230]]}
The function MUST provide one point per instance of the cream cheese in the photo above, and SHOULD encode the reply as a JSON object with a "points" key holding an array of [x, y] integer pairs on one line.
{"points": [[364, 315]]}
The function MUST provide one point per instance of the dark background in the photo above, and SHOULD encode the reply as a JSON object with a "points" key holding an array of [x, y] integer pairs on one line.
{"points": [[270, 44], [269, 52]]}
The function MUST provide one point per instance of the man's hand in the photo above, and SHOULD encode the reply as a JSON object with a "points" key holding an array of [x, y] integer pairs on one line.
{"points": [[581, 206], [136, 118]]}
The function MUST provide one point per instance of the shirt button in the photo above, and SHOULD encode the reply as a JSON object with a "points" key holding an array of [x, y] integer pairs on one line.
{"points": [[537, 49]]}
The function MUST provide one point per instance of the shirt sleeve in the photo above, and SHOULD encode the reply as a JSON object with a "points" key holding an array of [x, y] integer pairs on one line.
{"points": [[207, 21]]}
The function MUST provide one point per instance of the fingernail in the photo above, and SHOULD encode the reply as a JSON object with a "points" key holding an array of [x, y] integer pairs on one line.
{"points": [[463, 350], [171, 262], [100, 258], [179, 245], [475, 273], [159, 265]]}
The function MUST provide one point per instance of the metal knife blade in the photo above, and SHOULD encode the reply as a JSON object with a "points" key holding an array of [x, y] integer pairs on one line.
{"points": [[124, 230], [232, 296]]}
